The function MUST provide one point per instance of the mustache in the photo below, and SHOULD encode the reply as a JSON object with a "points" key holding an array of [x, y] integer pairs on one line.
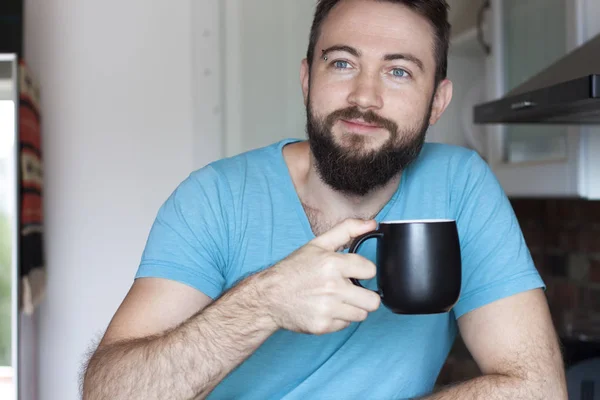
{"points": [[369, 117]]}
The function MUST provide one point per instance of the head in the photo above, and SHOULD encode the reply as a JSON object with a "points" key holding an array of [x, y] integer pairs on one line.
{"points": [[374, 79]]}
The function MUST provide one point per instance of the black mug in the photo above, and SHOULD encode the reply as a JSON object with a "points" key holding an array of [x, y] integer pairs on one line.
{"points": [[418, 265]]}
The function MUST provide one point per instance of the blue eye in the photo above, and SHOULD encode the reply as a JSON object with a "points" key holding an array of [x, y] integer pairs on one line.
{"points": [[399, 73], [341, 64]]}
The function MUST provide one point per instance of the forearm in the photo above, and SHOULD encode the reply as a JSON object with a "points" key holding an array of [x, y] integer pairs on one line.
{"points": [[186, 362], [494, 387]]}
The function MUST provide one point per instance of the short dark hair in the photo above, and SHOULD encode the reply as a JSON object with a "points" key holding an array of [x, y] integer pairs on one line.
{"points": [[435, 11]]}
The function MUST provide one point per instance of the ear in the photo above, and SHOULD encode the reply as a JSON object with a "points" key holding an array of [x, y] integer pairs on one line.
{"points": [[443, 95], [304, 78]]}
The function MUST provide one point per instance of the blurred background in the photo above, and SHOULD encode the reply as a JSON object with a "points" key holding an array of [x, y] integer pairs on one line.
{"points": [[107, 105]]}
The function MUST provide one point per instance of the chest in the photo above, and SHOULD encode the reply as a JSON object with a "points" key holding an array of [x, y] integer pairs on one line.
{"points": [[262, 235], [320, 222], [267, 240]]}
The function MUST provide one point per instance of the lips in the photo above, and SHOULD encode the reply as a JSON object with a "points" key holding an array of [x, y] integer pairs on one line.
{"points": [[359, 126], [361, 123]]}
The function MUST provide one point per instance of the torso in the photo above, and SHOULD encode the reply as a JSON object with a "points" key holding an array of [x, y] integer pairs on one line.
{"points": [[387, 355]]}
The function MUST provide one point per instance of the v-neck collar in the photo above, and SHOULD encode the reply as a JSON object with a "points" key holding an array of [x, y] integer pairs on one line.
{"points": [[289, 187]]}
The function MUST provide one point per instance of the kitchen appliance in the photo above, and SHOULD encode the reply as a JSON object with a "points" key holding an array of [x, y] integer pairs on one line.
{"points": [[566, 92]]}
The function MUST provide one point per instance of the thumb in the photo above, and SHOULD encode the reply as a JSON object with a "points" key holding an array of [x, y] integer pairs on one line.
{"points": [[343, 233]]}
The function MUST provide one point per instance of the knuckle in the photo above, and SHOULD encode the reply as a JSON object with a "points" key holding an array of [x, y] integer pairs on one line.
{"points": [[320, 327], [330, 286], [331, 262], [328, 258], [325, 309], [362, 315]]}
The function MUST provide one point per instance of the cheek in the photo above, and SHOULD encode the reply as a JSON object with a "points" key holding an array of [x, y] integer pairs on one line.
{"points": [[326, 103], [328, 94], [404, 108]]}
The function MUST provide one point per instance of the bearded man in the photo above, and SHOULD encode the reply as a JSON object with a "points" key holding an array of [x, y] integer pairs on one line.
{"points": [[244, 289]]}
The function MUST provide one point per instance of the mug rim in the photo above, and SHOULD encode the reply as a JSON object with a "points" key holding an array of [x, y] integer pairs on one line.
{"points": [[416, 221]]}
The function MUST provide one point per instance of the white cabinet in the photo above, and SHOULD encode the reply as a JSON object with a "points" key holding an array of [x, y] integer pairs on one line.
{"points": [[533, 35], [532, 160]]}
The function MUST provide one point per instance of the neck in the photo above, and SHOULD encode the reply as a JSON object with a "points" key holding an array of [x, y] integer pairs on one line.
{"points": [[316, 194]]}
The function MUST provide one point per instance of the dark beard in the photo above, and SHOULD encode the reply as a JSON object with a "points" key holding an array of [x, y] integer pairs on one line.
{"points": [[356, 172]]}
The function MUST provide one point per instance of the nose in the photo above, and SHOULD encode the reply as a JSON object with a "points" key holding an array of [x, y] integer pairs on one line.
{"points": [[366, 92]]}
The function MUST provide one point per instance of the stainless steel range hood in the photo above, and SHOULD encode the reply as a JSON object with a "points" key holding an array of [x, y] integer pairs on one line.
{"points": [[567, 92]]}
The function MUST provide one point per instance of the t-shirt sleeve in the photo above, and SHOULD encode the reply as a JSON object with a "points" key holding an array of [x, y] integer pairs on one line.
{"points": [[188, 237], [495, 259]]}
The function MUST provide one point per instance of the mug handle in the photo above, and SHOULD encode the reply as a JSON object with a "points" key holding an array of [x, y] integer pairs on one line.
{"points": [[356, 244]]}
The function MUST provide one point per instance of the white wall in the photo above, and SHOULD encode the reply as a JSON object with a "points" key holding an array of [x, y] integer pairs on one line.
{"points": [[118, 99], [266, 41]]}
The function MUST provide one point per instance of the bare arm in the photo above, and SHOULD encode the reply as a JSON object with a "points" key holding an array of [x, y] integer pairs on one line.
{"points": [[138, 359], [515, 345], [149, 352]]}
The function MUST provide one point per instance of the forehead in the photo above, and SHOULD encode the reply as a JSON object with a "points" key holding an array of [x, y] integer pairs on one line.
{"points": [[378, 27]]}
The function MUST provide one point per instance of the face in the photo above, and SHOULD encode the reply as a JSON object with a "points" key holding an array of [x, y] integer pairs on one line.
{"points": [[370, 93]]}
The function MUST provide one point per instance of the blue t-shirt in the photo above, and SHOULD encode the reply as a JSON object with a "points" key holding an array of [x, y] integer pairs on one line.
{"points": [[239, 215]]}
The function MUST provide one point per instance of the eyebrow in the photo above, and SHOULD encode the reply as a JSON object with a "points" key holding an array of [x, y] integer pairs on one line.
{"points": [[388, 57], [408, 57], [340, 47]]}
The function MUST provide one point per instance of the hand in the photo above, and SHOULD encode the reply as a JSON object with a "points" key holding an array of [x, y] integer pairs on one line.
{"points": [[309, 291]]}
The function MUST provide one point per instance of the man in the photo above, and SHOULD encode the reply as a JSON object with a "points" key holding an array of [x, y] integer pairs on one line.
{"points": [[243, 290]]}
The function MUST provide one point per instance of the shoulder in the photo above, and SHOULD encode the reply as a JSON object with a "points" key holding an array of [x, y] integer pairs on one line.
{"points": [[234, 170], [229, 184], [454, 164], [437, 154]]}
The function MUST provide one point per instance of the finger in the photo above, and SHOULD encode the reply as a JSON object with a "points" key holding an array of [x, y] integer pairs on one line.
{"points": [[343, 233], [357, 267], [360, 297], [346, 312], [333, 326], [339, 324]]}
